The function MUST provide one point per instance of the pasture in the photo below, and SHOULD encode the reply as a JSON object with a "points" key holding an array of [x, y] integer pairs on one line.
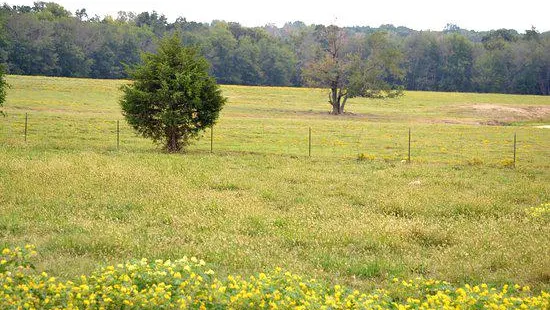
{"points": [[459, 212]]}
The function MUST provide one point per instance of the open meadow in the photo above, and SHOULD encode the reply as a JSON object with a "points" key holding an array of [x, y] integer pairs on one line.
{"points": [[354, 213]]}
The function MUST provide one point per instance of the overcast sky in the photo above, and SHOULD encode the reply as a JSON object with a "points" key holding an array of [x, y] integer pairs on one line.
{"points": [[419, 14]]}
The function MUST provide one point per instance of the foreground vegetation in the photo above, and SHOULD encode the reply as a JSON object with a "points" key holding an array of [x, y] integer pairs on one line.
{"points": [[187, 283], [457, 213]]}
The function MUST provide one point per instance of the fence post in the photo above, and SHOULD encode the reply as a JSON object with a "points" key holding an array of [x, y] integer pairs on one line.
{"points": [[409, 153], [26, 122], [212, 139], [309, 142], [514, 149], [117, 135]]}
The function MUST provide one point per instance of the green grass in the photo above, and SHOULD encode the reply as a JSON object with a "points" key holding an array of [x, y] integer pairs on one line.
{"points": [[457, 213]]}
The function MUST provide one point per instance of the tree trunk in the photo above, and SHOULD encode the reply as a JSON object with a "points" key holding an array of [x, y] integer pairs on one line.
{"points": [[334, 101], [337, 98], [335, 109], [173, 145], [343, 104]]}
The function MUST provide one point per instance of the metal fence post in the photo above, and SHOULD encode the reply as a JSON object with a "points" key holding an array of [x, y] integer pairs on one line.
{"points": [[117, 135], [409, 153], [26, 125], [514, 149], [309, 141]]}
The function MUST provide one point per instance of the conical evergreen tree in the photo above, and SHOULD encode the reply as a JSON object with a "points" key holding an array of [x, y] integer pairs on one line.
{"points": [[172, 97]]}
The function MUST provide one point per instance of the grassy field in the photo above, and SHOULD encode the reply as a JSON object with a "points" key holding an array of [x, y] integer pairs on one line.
{"points": [[458, 212]]}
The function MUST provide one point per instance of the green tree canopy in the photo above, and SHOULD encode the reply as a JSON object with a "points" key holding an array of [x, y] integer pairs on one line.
{"points": [[373, 69], [172, 97], [47, 39]]}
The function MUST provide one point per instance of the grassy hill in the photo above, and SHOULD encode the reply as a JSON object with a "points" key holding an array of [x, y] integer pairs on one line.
{"points": [[352, 213]]}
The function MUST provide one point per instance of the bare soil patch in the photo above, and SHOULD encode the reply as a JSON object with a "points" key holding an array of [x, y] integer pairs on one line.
{"points": [[498, 115], [511, 112]]}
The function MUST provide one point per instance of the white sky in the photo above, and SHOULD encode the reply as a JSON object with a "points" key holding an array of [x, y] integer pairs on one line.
{"points": [[419, 14]]}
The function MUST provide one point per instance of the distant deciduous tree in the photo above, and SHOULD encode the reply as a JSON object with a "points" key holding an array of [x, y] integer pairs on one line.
{"points": [[172, 97], [81, 14], [423, 61], [534, 56], [379, 74], [32, 49], [457, 71], [371, 72]]}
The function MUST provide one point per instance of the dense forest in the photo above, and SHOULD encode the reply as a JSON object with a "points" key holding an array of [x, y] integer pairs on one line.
{"points": [[46, 39]]}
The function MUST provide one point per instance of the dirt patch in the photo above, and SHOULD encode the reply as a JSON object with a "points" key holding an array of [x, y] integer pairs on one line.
{"points": [[267, 113], [501, 115], [328, 114], [454, 122], [500, 112]]}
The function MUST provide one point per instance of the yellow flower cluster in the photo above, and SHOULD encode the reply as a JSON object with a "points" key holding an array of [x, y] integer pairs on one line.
{"points": [[17, 257], [542, 211], [188, 283]]}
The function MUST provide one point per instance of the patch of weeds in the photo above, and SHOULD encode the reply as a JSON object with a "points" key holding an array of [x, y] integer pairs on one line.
{"points": [[474, 162], [368, 270], [226, 187], [469, 210], [167, 220], [10, 225], [357, 201], [390, 159], [498, 263], [280, 223], [330, 262], [397, 210], [507, 163], [300, 199], [293, 181], [421, 268], [214, 209], [430, 238], [365, 157], [121, 212], [541, 212], [254, 226], [371, 246], [292, 242], [542, 276], [268, 195], [69, 228], [457, 167], [85, 245]]}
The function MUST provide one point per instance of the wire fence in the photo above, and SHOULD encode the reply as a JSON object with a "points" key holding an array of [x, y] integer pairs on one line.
{"points": [[365, 141]]}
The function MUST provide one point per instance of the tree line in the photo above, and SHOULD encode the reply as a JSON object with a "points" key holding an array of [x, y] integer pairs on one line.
{"points": [[47, 39]]}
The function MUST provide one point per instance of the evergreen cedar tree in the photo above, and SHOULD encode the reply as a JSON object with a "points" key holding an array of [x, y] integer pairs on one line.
{"points": [[172, 97]]}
